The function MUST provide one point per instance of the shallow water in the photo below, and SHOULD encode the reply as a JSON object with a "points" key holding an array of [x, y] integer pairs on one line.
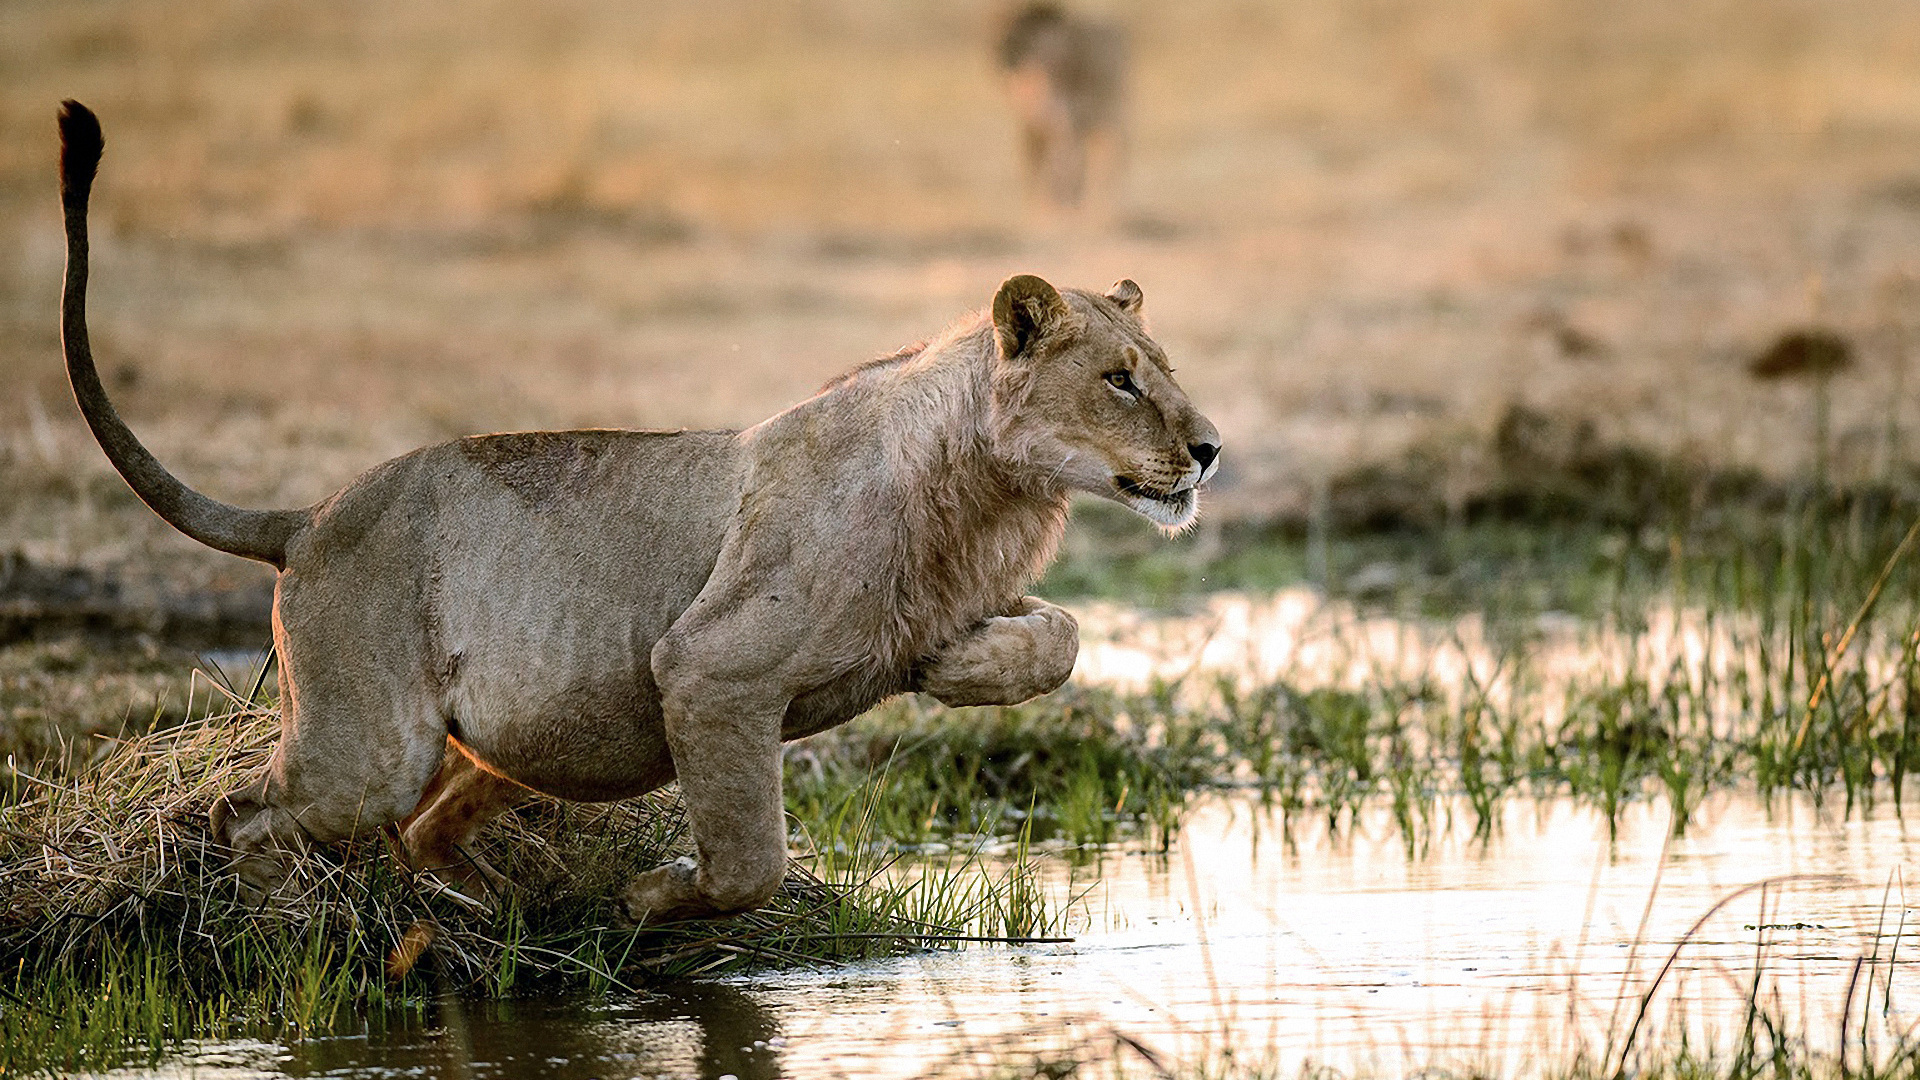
{"points": [[1514, 952]]}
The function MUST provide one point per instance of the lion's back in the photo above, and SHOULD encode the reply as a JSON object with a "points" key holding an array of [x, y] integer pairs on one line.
{"points": [[535, 570]]}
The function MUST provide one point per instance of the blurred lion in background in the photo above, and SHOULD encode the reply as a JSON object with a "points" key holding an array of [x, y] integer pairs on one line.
{"points": [[1067, 78]]}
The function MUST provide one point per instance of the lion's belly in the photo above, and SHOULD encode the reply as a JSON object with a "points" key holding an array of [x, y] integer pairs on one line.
{"points": [[571, 712], [600, 736], [561, 697]]}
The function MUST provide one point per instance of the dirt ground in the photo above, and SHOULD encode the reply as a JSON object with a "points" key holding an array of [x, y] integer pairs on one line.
{"points": [[327, 233]]}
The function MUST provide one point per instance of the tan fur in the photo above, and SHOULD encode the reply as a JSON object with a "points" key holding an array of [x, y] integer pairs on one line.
{"points": [[592, 614], [1066, 78]]}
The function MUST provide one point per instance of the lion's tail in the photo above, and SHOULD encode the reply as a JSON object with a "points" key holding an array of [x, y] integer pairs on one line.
{"points": [[255, 534]]}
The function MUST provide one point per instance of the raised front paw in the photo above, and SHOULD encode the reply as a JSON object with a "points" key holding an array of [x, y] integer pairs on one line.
{"points": [[1007, 659]]}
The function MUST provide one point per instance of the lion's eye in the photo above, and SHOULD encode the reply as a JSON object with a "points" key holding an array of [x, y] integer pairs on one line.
{"points": [[1122, 382]]}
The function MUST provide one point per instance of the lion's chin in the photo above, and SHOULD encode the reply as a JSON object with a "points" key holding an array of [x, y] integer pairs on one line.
{"points": [[1170, 512]]}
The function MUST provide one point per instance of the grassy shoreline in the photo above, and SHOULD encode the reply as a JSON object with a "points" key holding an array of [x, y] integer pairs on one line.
{"points": [[1777, 652], [122, 934]]}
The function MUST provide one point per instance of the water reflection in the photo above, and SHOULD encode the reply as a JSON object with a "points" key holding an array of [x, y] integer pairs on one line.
{"points": [[688, 1029], [1338, 949], [1303, 638], [1326, 947]]}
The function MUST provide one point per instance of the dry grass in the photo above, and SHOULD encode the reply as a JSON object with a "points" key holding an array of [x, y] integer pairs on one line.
{"points": [[64, 702], [121, 928]]}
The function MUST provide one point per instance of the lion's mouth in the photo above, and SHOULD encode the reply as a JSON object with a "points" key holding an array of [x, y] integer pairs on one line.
{"points": [[1167, 509]]}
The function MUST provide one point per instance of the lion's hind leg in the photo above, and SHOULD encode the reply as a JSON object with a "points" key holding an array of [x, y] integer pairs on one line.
{"points": [[1007, 659], [436, 838], [359, 743]]}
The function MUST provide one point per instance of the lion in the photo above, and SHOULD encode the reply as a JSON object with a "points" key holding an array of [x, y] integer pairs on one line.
{"points": [[593, 614], [1067, 79]]}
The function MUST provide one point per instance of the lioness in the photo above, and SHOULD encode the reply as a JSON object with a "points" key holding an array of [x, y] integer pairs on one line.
{"points": [[592, 614], [1067, 79]]}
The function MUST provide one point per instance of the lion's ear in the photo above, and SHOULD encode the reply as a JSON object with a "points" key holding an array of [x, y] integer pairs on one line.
{"points": [[1024, 310], [1127, 295]]}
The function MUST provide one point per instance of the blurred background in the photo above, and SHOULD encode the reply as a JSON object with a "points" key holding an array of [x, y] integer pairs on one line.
{"points": [[1524, 322], [1411, 257]]}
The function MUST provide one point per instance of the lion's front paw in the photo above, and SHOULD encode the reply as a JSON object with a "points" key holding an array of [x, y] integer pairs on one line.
{"points": [[1007, 659], [664, 894]]}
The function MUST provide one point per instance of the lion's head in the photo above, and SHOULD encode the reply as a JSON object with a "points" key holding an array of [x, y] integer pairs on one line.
{"points": [[1083, 397]]}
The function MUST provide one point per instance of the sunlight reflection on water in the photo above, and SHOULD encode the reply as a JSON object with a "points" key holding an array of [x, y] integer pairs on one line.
{"points": [[1332, 949], [1296, 633], [1717, 663], [1288, 939], [1343, 951]]}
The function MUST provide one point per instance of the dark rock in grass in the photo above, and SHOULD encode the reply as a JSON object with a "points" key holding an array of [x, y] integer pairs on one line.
{"points": [[1805, 352], [1377, 580]]}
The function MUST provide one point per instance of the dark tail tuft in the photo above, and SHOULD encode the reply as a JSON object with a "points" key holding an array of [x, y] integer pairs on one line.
{"points": [[254, 534], [80, 146]]}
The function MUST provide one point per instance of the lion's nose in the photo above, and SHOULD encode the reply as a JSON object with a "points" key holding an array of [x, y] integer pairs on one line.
{"points": [[1204, 453]]}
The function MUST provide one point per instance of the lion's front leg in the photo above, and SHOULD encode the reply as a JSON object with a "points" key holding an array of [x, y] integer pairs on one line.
{"points": [[1005, 660], [723, 727]]}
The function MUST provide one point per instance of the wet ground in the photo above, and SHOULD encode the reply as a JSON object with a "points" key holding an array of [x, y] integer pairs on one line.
{"points": [[1517, 952]]}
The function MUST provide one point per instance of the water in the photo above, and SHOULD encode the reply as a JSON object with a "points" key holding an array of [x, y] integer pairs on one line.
{"points": [[1336, 949], [1285, 940]]}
